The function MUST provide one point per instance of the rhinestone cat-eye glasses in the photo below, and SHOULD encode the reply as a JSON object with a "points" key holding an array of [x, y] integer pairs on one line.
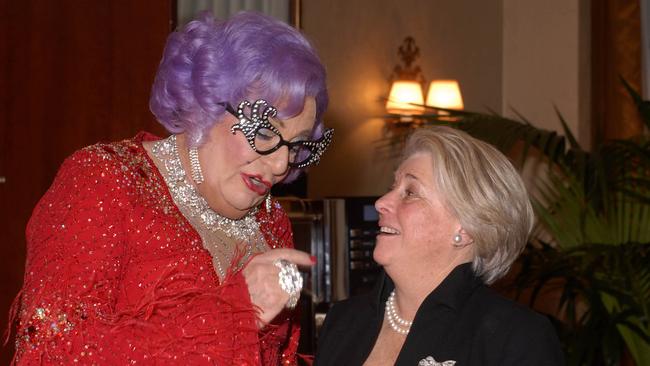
{"points": [[265, 138]]}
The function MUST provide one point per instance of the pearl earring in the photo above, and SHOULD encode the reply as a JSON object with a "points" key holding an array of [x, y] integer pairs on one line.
{"points": [[457, 239]]}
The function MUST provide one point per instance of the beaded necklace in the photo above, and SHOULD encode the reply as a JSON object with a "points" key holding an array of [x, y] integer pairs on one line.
{"points": [[192, 204]]}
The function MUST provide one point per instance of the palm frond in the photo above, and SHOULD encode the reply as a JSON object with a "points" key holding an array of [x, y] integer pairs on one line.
{"points": [[643, 106]]}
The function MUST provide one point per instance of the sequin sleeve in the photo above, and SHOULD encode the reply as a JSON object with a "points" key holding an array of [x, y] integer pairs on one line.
{"points": [[280, 341], [75, 255]]}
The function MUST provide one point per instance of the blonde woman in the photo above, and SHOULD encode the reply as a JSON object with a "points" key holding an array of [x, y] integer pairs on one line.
{"points": [[455, 219]]}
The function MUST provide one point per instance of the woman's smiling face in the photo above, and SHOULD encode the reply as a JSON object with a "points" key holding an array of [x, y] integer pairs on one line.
{"points": [[415, 226]]}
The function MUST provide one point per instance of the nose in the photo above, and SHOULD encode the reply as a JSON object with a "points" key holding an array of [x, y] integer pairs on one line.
{"points": [[278, 161], [383, 204]]}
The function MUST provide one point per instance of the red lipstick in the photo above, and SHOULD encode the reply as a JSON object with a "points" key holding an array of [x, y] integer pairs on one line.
{"points": [[254, 185]]}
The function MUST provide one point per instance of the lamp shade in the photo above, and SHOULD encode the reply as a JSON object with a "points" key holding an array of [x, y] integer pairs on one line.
{"points": [[401, 94], [445, 94]]}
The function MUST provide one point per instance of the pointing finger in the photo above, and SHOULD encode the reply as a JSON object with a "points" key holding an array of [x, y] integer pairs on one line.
{"points": [[292, 255]]}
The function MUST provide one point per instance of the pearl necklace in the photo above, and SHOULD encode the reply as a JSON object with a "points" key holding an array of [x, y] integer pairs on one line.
{"points": [[398, 324]]}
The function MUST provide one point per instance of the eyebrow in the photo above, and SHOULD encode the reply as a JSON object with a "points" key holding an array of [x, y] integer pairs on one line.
{"points": [[302, 134], [277, 121], [408, 175]]}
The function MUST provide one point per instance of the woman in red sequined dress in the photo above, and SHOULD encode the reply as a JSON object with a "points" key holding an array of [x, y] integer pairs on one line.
{"points": [[150, 251]]}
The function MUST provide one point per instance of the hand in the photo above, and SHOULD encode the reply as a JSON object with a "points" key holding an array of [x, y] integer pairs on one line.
{"points": [[261, 276]]}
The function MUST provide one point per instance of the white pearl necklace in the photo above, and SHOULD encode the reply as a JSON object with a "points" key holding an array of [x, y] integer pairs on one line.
{"points": [[398, 324]]}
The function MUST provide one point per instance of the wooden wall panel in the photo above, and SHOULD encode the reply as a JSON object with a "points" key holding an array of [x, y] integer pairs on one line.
{"points": [[72, 72], [616, 52]]}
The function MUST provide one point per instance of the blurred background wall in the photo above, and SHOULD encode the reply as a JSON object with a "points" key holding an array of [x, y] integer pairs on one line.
{"points": [[506, 54]]}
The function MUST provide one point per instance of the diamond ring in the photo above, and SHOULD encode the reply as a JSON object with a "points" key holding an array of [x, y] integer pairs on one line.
{"points": [[290, 281]]}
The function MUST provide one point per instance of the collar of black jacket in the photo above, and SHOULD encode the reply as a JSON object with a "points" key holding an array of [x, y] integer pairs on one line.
{"points": [[452, 292]]}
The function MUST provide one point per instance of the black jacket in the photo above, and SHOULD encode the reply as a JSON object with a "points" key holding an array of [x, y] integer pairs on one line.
{"points": [[461, 320]]}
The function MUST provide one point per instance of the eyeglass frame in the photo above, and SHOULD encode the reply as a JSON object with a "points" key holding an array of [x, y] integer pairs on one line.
{"points": [[250, 126]]}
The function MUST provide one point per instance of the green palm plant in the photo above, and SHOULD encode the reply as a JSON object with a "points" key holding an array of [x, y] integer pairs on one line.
{"points": [[595, 208]]}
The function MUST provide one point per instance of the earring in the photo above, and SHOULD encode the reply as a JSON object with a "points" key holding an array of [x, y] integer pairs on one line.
{"points": [[457, 239], [268, 203], [195, 166]]}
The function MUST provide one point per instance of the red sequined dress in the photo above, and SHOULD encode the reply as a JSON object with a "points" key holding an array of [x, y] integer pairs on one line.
{"points": [[116, 275]]}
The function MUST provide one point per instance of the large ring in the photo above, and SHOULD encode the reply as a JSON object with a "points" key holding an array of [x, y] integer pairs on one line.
{"points": [[290, 281]]}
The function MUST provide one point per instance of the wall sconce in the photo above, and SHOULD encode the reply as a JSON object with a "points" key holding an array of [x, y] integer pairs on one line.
{"points": [[444, 94], [405, 101], [402, 94], [406, 98]]}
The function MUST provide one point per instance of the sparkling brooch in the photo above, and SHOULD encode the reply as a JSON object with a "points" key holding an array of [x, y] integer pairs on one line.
{"points": [[430, 361]]}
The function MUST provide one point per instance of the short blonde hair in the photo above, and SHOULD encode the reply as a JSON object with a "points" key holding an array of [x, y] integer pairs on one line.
{"points": [[483, 190]]}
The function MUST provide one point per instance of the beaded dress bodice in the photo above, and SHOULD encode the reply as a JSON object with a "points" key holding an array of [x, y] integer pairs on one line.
{"points": [[224, 238]]}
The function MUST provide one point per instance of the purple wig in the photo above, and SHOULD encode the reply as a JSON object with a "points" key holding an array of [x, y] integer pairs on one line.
{"points": [[249, 56]]}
